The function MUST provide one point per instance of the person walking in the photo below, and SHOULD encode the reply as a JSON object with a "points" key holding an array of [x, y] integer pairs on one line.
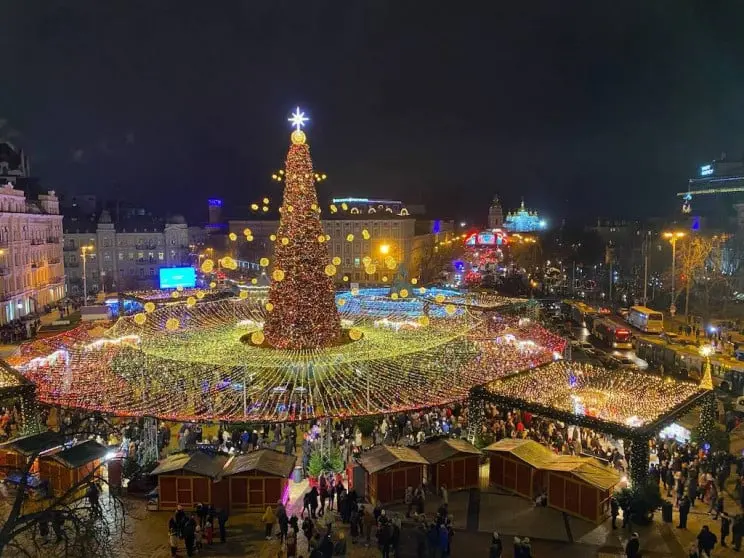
{"points": [[173, 542], [497, 548], [614, 511], [313, 501], [706, 541], [633, 547], [268, 520], [189, 535], [221, 521], [684, 510], [737, 531], [725, 527]]}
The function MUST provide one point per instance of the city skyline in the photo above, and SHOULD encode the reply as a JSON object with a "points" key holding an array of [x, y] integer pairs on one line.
{"points": [[444, 107]]}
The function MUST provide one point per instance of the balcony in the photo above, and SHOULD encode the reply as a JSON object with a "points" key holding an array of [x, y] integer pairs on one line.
{"points": [[4, 271], [53, 240], [37, 242]]}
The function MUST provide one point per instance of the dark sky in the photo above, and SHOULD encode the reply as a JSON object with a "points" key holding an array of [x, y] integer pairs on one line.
{"points": [[593, 108]]}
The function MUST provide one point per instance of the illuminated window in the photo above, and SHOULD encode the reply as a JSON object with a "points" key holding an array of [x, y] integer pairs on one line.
{"points": [[161, 256]]}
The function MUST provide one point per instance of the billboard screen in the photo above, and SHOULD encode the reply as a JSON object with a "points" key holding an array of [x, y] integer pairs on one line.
{"points": [[486, 238], [174, 277]]}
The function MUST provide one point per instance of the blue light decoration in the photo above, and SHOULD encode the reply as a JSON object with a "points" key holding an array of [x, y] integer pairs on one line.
{"points": [[436, 227], [214, 202], [174, 277], [524, 220], [459, 265], [706, 170], [695, 226]]}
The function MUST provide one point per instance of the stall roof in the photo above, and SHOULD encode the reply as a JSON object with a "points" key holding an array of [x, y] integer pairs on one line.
{"points": [[81, 454], [197, 463], [35, 444], [441, 449], [264, 460], [382, 457], [586, 469], [532, 452]]}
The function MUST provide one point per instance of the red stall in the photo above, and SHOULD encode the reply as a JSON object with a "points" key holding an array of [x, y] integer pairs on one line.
{"points": [[454, 462], [186, 479], [389, 470], [257, 479], [66, 468], [516, 465]]}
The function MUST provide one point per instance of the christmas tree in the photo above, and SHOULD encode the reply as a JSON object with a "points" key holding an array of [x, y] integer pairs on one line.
{"points": [[302, 305]]}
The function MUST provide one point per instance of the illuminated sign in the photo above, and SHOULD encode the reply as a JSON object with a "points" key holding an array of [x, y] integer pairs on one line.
{"points": [[706, 170], [174, 277], [487, 238], [470, 241]]}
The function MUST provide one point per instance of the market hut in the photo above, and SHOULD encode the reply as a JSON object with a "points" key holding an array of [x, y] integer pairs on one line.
{"points": [[257, 479], [516, 465], [185, 479], [389, 470], [65, 469], [14, 455], [453, 462], [580, 486]]}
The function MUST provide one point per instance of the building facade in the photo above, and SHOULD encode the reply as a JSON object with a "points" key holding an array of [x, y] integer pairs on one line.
{"points": [[126, 255], [31, 267], [524, 220], [495, 214]]}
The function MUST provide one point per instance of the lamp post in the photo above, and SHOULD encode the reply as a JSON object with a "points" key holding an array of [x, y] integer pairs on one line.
{"points": [[84, 253], [673, 237]]}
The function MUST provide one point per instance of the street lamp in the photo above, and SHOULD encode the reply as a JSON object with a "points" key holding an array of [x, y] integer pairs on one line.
{"points": [[84, 251], [673, 237], [384, 249]]}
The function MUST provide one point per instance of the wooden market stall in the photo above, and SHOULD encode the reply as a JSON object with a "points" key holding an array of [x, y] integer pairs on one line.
{"points": [[580, 486], [257, 479], [14, 455], [516, 465], [65, 469], [185, 479], [453, 462], [389, 470]]}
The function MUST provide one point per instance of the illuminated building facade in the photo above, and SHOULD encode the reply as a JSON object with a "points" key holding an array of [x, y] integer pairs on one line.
{"points": [[495, 214], [524, 220], [31, 269]]}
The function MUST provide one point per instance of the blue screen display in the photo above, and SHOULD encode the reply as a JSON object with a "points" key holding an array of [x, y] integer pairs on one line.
{"points": [[174, 277]]}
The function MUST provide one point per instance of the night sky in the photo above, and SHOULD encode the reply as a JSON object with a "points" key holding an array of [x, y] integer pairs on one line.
{"points": [[585, 109]]}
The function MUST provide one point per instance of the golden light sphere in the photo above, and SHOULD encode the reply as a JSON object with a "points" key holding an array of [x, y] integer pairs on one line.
{"points": [[254, 206], [314, 206], [233, 237], [371, 269], [346, 277], [354, 291], [263, 262], [423, 320], [336, 261], [278, 275], [333, 208], [247, 232], [254, 281], [384, 280], [344, 206], [243, 294], [269, 307], [199, 294], [390, 262], [298, 137], [366, 260], [149, 307], [140, 318], [328, 237], [355, 334], [179, 288], [175, 294], [394, 296], [272, 237], [439, 298], [212, 285], [285, 241], [330, 270], [191, 302], [207, 266], [414, 281], [365, 234], [450, 309], [403, 293], [341, 301], [265, 209], [422, 290], [350, 237], [249, 238], [265, 201], [321, 238], [290, 208], [172, 324], [257, 337]]}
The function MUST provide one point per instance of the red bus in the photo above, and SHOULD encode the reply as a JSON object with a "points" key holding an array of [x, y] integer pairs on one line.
{"points": [[614, 335]]}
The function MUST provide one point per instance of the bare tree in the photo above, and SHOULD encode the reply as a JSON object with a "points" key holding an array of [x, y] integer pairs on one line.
{"points": [[81, 527]]}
